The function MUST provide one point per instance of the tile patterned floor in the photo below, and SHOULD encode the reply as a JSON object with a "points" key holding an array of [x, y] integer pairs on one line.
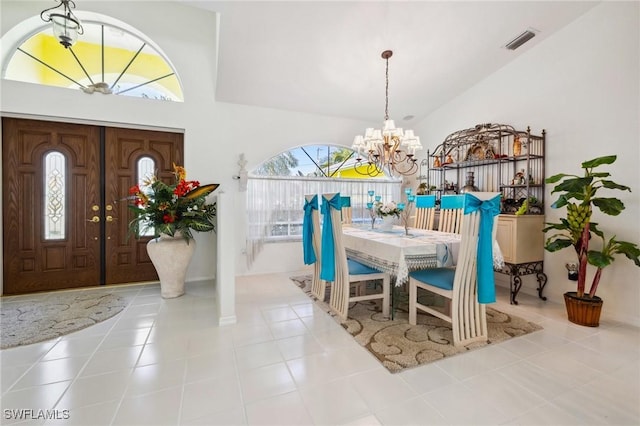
{"points": [[166, 362]]}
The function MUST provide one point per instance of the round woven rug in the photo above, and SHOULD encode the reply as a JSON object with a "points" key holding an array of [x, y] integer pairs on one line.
{"points": [[36, 318]]}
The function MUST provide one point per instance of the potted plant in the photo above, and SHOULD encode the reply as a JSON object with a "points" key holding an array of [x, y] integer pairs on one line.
{"points": [[170, 212], [579, 195]]}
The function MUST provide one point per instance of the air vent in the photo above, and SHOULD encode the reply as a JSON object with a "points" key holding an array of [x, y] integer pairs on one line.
{"points": [[520, 40]]}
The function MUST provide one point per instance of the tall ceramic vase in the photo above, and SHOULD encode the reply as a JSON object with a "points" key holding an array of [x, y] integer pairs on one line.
{"points": [[171, 257]]}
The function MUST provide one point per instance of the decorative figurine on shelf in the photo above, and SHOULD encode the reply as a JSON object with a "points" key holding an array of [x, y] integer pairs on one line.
{"points": [[436, 162], [469, 185], [520, 179], [449, 159], [517, 146]]}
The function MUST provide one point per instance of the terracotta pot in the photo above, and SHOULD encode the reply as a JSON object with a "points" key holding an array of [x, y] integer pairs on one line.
{"points": [[171, 257], [583, 310]]}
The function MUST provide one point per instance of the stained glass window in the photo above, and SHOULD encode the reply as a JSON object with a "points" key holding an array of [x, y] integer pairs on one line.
{"points": [[54, 196], [145, 171]]}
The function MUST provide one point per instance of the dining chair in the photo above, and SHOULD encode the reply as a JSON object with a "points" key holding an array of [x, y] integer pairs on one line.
{"points": [[347, 218], [425, 211], [470, 285], [343, 272], [451, 213], [311, 244]]}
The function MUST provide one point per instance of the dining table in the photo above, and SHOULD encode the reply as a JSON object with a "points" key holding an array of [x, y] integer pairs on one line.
{"points": [[398, 252]]}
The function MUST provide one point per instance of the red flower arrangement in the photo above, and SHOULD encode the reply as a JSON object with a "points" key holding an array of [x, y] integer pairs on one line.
{"points": [[167, 209]]}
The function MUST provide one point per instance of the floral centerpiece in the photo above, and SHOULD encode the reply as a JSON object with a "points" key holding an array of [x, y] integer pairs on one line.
{"points": [[387, 209], [171, 209]]}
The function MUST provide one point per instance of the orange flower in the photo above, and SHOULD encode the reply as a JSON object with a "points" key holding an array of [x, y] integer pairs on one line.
{"points": [[180, 172]]}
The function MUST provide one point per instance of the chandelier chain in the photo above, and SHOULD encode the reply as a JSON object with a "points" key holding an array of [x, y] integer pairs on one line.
{"points": [[386, 92]]}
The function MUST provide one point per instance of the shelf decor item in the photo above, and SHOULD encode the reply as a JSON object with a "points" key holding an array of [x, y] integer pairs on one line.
{"points": [[579, 196], [517, 146], [170, 212]]}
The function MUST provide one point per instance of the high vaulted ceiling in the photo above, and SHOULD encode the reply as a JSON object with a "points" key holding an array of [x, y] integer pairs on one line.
{"points": [[324, 56]]}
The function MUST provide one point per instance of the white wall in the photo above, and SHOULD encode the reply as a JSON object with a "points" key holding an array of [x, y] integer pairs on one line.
{"points": [[583, 86], [215, 133]]}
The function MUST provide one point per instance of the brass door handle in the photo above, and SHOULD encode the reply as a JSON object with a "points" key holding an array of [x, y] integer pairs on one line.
{"points": [[110, 218], [94, 219]]}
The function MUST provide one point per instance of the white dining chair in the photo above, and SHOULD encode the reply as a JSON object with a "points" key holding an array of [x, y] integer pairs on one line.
{"points": [[425, 211], [347, 213], [311, 236], [469, 286], [343, 272], [450, 219]]}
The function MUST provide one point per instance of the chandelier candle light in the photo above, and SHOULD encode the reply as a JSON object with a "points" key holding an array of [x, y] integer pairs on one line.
{"points": [[383, 148]]}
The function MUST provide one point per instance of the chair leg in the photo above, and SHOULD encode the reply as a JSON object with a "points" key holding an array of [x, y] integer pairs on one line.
{"points": [[413, 296]]}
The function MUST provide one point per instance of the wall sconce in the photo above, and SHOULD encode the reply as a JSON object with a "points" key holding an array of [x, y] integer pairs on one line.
{"points": [[242, 176]]}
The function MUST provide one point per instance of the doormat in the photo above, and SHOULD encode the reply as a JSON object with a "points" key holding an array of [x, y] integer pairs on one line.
{"points": [[399, 345], [35, 318]]}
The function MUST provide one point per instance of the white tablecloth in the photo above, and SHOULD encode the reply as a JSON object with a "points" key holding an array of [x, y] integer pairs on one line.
{"points": [[397, 254]]}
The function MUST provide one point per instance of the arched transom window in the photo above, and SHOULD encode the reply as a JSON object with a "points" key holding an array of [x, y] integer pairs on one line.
{"points": [[105, 59]]}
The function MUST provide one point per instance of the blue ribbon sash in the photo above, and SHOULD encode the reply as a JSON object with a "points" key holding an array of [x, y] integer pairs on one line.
{"points": [[327, 259], [488, 210], [307, 230]]}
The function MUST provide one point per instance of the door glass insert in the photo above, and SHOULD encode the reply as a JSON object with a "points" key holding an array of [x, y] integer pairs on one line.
{"points": [[145, 171], [54, 196]]}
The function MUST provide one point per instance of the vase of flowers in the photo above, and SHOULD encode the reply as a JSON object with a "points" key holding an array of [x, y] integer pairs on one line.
{"points": [[389, 212], [170, 212]]}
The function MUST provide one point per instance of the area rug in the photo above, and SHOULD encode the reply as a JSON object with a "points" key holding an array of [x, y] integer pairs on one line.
{"points": [[399, 345], [36, 318]]}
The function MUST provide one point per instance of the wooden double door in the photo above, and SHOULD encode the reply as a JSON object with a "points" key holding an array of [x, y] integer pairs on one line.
{"points": [[65, 212]]}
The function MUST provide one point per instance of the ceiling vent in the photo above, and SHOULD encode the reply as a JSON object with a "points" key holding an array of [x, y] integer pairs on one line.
{"points": [[520, 40]]}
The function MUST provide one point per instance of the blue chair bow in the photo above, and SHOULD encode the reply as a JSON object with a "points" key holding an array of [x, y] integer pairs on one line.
{"points": [[307, 230], [488, 210], [328, 261]]}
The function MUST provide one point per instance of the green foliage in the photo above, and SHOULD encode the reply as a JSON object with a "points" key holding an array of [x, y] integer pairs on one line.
{"points": [[578, 194]]}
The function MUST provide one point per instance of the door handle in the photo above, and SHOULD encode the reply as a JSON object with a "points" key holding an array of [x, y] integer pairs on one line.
{"points": [[94, 219], [110, 218]]}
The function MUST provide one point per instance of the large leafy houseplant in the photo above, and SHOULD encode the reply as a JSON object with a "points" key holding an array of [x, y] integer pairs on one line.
{"points": [[580, 194], [169, 209]]}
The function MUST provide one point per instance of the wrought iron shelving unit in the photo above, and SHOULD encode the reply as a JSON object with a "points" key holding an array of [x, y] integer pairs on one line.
{"points": [[499, 158]]}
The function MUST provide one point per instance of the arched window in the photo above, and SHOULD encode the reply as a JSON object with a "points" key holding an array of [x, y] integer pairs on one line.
{"points": [[276, 190], [107, 58], [145, 171], [55, 165]]}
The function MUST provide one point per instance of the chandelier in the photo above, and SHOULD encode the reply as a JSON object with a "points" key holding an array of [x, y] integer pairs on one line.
{"points": [[388, 150], [66, 26]]}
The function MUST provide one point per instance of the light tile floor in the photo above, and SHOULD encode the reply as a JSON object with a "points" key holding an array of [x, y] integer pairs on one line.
{"points": [[166, 362]]}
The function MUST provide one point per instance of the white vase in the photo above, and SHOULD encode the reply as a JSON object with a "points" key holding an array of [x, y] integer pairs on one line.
{"points": [[171, 257], [387, 223]]}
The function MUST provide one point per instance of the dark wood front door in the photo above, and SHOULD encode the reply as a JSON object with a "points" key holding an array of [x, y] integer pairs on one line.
{"points": [[65, 216], [126, 256]]}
